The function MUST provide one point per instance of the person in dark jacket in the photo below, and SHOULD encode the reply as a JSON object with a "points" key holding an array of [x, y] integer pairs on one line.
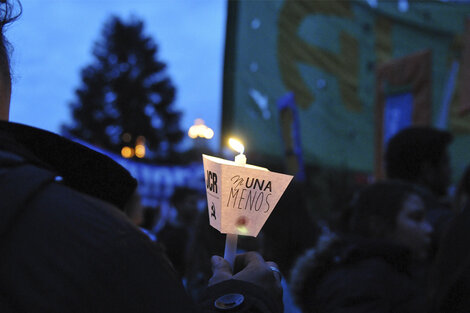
{"points": [[449, 285], [66, 245], [420, 155], [369, 267], [176, 233]]}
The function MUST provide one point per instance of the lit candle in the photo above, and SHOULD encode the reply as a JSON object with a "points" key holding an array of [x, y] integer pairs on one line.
{"points": [[236, 145], [224, 181], [231, 239]]}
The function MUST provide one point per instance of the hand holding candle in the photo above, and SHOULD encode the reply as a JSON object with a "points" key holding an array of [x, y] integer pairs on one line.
{"points": [[240, 196]]}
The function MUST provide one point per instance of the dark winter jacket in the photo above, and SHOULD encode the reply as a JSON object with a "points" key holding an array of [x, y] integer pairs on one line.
{"points": [[65, 247], [449, 284], [357, 276]]}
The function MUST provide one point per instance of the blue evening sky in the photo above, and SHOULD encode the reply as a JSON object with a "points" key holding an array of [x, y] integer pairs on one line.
{"points": [[53, 41]]}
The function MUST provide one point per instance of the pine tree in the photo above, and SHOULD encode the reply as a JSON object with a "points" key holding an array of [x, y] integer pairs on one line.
{"points": [[125, 94]]}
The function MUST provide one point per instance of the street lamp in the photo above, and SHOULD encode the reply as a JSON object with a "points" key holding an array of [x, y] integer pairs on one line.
{"points": [[140, 147], [128, 151], [199, 129]]}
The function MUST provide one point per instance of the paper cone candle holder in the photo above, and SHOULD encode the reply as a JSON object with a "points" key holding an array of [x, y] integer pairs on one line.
{"points": [[241, 198]]}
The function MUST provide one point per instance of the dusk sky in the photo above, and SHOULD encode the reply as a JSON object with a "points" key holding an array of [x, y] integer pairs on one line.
{"points": [[53, 41]]}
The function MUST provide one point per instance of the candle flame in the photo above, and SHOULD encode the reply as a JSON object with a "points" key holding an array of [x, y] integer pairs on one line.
{"points": [[236, 145]]}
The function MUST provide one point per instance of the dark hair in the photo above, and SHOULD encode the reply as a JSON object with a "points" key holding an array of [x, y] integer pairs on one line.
{"points": [[9, 11], [411, 147], [373, 210]]}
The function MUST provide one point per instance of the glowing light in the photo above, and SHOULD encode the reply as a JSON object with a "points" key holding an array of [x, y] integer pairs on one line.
{"points": [[127, 152], [140, 151], [241, 225], [236, 145], [242, 229], [140, 140], [209, 133], [192, 132], [200, 130]]}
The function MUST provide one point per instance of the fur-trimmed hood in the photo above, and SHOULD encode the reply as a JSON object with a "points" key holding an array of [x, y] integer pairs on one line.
{"points": [[333, 252]]}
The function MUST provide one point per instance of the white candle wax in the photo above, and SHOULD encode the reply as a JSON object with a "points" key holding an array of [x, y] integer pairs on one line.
{"points": [[240, 159], [231, 239], [231, 249]]}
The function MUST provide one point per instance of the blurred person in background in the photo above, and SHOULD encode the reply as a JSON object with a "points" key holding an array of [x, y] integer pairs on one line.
{"points": [[376, 263], [178, 230], [419, 155]]}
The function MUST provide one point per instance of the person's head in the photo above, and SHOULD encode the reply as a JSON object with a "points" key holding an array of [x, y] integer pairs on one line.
{"points": [[9, 11], [394, 211], [419, 154], [185, 201]]}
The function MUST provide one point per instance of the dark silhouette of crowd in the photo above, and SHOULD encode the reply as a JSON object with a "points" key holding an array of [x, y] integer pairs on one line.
{"points": [[74, 236], [400, 244]]}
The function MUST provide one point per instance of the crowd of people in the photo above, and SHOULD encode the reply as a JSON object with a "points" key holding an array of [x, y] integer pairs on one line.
{"points": [[74, 238], [400, 245], [388, 252]]}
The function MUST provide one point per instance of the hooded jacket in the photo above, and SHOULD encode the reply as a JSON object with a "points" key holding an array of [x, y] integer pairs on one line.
{"points": [[64, 245], [357, 275]]}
